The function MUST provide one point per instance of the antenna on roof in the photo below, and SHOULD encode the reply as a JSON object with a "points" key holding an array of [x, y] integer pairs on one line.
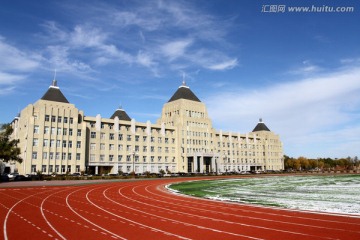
{"points": [[260, 119], [54, 82], [183, 80]]}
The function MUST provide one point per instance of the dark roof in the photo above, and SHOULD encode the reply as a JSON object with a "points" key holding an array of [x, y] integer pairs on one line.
{"points": [[54, 94], [121, 114], [261, 127], [184, 92]]}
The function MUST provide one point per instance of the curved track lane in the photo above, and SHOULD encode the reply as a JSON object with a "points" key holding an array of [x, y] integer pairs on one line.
{"points": [[146, 210]]}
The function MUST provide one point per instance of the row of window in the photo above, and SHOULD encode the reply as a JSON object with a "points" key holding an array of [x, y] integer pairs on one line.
{"points": [[145, 168], [129, 148], [59, 119], [55, 168], [129, 137], [196, 134], [55, 156], [127, 128], [129, 158], [56, 143], [56, 131]]}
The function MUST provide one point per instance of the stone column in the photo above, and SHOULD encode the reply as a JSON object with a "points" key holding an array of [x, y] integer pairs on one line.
{"points": [[96, 170]]}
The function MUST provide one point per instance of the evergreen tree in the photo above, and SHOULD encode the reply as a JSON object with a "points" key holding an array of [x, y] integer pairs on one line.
{"points": [[8, 148]]}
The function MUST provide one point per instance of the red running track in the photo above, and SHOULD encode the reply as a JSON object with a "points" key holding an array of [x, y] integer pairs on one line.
{"points": [[146, 210]]}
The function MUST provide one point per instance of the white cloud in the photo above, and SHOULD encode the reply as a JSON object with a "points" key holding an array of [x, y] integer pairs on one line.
{"points": [[14, 59], [224, 65], [176, 49], [297, 110]]}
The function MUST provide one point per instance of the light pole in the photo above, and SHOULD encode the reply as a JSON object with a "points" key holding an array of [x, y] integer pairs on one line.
{"points": [[133, 153]]}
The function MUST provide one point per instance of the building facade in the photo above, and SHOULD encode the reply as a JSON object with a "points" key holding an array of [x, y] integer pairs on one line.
{"points": [[57, 138]]}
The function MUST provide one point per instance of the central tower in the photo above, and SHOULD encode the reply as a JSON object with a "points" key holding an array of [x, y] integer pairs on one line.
{"points": [[195, 147]]}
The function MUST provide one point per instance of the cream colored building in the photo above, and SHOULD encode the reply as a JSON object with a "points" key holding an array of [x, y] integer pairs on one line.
{"points": [[56, 137]]}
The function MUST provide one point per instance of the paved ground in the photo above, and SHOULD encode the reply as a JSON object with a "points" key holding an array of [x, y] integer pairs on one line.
{"points": [[146, 210]]}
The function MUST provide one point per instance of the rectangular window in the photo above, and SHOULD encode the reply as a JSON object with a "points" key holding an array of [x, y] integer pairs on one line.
{"points": [[58, 143], [59, 119], [78, 144], [144, 148], [51, 155], [63, 169], [119, 158], [128, 158], [93, 134], [136, 148], [102, 157], [137, 138], [92, 157], [43, 168], [111, 158], [33, 168], [120, 137], [47, 118], [102, 146], [152, 139], [144, 158], [128, 137], [136, 158], [93, 146], [53, 131], [77, 168], [159, 139], [92, 124], [44, 155], [128, 148], [166, 140], [36, 129], [79, 132], [57, 155], [63, 156], [65, 119], [120, 147], [70, 144], [64, 143], [102, 135], [35, 142], [71, 120], [70, 131], [78, 156], [111, 136], [159, 149], [45, 143], [69, 156], [53, 119], [152, 158], [65, 131], [102, 125], [51, 169], [59, 131], [57, 168], [46, 130], [144, 138], [152, 149], [111, 147], [34, 155], [52, 143], [159, 159]]}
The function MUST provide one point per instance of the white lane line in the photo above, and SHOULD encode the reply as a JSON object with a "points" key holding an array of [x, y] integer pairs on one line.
{"points": [[87, 220], [251, 211], [10, 210], [137, 223], [184, 223], [46, 220], [221, 220]]}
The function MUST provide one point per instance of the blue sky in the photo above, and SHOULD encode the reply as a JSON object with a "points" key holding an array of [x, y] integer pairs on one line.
{"points": [[300, 72]]}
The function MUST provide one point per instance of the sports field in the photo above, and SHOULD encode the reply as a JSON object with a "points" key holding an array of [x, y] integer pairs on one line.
{"points": [[325, 193], [147, 210]]}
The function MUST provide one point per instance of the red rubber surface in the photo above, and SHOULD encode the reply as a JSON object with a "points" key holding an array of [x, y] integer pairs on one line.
{"points": [[146, 210]]}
